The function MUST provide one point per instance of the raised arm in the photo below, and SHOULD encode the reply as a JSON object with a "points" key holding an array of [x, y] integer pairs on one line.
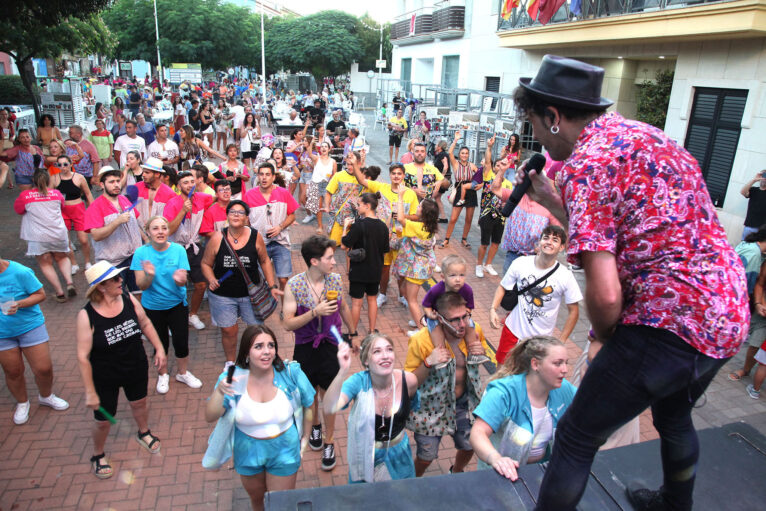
{"points": [[451, 150]]}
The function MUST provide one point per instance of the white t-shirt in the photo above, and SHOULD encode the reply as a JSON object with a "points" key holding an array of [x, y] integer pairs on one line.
{"points": [[537, 309], [124, 144], [239, 115], [168, 150], [542, 425]]}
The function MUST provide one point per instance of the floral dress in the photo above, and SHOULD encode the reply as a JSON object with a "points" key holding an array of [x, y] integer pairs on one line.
{"points": [[416, 259]]}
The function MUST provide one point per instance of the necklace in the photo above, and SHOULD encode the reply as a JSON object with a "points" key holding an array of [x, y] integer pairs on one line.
{"points": [[236, 240]]}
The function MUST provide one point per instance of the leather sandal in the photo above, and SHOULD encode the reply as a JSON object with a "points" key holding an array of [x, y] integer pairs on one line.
{"points": [[101, 470]]}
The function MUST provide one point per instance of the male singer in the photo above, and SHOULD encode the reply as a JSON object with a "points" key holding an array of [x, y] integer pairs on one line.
{"points": [[665, 292]]}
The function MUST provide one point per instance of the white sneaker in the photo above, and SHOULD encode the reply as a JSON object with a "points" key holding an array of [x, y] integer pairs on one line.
{"points": [[480, 272], [196, 323], [412, 324], [75, 269], [163, 383], [576, 269], [381, 299], [189, 379], [87, 266], [53, 401], [21, 415], [438, 269], [309, 219], [403, 301], [410, 333], [490, 270]]}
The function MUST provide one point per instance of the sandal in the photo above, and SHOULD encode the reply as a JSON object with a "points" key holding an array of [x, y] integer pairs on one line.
{"points": [[152, 446], [444, 244], [736, 375], [465, 243], [101, 470], [460, 203], [61, 298], [70, 290]]}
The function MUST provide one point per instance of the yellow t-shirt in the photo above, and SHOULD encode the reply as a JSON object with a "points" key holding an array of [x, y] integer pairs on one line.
{"points": [[338, 178], [415, 230], [431, 176], [400, 121], [391, 200], [420, 347]]}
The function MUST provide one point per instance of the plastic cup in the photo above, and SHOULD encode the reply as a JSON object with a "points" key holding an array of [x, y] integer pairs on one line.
{"points": [[332, 295], [6, 302]]}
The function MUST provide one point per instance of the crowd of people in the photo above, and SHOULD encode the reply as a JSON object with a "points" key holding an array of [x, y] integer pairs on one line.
{"points": [[170, 228]]}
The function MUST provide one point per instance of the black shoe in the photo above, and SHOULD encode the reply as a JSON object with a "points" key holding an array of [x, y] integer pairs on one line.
{"points": [[328, 457], [644, 499], [315, 438]]}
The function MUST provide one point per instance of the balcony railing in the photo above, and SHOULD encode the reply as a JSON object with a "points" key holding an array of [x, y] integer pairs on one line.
{"points": [[445, 19], [592, 9]]}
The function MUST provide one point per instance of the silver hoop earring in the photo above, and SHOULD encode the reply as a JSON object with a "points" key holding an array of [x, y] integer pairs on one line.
{"points": [[555, 130]]}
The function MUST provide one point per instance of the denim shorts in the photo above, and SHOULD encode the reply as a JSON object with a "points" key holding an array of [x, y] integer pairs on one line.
{"points": [[428, 446], [281, 259], [280, 456], [225, 310], [37, 335], [306, 177], [21, 179]]}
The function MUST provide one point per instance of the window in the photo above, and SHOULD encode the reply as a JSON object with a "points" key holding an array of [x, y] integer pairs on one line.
{"points": [[713, 135], [450, 68], [406, 75], [492, 84]]}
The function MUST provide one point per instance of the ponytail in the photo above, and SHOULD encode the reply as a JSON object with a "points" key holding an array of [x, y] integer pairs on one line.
{"points": [[41, 178], [519, 360]]}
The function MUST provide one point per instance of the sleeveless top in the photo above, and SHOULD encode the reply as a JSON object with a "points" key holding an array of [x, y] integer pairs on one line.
{"points": [[68, 189], [382, 424], [117, 347], [322, 171], [225, 171], [234, 286], [463, 173]]}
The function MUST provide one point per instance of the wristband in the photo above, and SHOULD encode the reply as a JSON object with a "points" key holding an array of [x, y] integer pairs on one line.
{"points": [[425, 363]]}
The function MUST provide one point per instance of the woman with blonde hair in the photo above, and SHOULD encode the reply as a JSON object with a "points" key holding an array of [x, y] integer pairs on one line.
{"points": [[517, 416]]}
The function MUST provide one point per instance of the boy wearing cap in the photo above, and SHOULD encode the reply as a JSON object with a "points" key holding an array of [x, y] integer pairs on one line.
{"points": [[113, 225]]}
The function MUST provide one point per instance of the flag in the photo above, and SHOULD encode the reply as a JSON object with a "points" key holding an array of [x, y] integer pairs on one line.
{"points": [[508, 6], [412, 25], [547, 9], [532, 8], [575, 7]]}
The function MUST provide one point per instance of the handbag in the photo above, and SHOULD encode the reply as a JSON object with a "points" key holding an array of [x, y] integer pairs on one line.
{"points": [[511, 297], [264, 304], [358, 255]]}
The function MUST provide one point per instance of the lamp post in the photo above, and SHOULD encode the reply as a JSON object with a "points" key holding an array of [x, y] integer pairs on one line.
{"points": [[157, 35], [263, 59]]}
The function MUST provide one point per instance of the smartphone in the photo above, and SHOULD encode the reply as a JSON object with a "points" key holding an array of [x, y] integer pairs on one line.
{"points": [[230, 373]]}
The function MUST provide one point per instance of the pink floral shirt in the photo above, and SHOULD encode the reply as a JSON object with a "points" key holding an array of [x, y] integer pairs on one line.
{"points": [[632, 191]]}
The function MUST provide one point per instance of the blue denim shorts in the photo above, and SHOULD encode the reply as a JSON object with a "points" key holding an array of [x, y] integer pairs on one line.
{"points": [[280, 456], [281, 259], [21, 179], [37, 335], [306, 177], [225, 310]]}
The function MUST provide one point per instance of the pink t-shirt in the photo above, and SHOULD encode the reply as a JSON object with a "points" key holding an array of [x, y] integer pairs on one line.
{"points": [[42, 220], [187, 233], [214, 219], [121, 244], [264, 216], [161, 198]]}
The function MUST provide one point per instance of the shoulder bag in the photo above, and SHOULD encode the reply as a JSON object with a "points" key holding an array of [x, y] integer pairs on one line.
{"points": [[511, 297], [264, 304]]}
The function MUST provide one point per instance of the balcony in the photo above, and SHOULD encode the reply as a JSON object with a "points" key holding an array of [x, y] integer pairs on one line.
{"points": [[635, 21], [445, 20]]}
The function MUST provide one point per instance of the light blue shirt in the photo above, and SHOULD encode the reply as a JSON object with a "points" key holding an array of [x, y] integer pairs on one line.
{"points": [[163, 294], [16, 283]]}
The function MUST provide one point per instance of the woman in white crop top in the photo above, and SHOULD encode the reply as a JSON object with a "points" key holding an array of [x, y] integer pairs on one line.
{"points": [[271, 403]]}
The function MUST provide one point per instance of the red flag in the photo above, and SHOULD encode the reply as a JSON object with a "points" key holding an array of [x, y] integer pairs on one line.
{"points": [[547, 9], [412, 25], [508, 7], [532, 8]]}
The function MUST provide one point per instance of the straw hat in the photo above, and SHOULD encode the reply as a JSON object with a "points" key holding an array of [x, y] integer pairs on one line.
{"points": [[100, 272], [153, 164]]}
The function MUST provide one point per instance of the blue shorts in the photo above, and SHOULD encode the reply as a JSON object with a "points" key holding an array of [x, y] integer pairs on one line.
{"points": [[225, 310], [281, 259], [306, 177], [22, 179], [280, 456], [37, 335]]}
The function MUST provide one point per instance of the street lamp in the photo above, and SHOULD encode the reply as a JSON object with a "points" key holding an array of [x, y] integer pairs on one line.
{"points": [[157, 35]]}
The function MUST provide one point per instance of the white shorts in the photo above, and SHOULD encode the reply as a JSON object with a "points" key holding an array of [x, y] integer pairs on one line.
{"points": [[760, 357], [36, 248]]}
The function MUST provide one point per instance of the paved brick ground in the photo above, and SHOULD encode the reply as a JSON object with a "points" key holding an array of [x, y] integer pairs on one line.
{"points": [[45, 462]]}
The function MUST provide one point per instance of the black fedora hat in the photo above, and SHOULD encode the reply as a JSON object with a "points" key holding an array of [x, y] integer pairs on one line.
{"points": [[568, 82]]}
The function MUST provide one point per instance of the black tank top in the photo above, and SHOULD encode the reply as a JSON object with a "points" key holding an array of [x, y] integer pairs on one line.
{"points": [[68, 189], [117, 346], [234, 286], [382, 424]]}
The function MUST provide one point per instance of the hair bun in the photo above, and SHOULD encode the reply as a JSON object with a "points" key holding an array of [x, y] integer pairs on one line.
{"points": [[377, 195]]}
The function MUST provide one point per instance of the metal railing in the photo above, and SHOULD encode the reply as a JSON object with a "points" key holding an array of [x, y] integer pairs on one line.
{"points": [[445, 15], [592, 9]]}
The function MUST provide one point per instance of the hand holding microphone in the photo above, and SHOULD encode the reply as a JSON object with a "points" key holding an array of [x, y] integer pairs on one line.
{"points": [[536, 163]]}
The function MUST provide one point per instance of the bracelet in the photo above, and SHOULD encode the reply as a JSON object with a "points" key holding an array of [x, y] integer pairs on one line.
{"points": [[425, 363]]}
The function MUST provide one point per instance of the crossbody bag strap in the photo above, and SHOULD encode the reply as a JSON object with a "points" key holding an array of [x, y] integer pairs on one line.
{"points": [[236, 258], [533, 284]]}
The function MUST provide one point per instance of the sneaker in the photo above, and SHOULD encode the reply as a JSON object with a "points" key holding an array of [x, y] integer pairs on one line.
{"points": [[315, 438], [412, 323], [576, 269], [196, 323], [163, 383], [381, 299], [403, 301], [477, 359], [189, 379], [328, 457], [644, 499], [21, 415], [87, 266], [410, 333], [309, 219], [755, 394], [53, 401], [490, 270], [480, 271], [75, 269], [438, 269]]}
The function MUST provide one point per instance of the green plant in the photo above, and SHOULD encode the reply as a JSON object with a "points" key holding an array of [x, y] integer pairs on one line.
{"points": [[653, 98], [13, 92]]}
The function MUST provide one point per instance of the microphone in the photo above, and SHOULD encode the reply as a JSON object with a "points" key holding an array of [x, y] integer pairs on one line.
{"points": [[536, 162]]}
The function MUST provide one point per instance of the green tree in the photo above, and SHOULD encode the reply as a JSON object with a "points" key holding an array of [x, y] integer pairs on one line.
{"points": [[324, 44], [653, 98], [216, 35], [48, 28], [368, 32]]}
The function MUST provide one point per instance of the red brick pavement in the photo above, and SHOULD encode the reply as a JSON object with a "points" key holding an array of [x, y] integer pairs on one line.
{"points": [[45, 461]]}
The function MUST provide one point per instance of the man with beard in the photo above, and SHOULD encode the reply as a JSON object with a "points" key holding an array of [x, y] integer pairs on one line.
{"points": [[164, 149], [113, 227], [130, 141], [423, 178]]}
